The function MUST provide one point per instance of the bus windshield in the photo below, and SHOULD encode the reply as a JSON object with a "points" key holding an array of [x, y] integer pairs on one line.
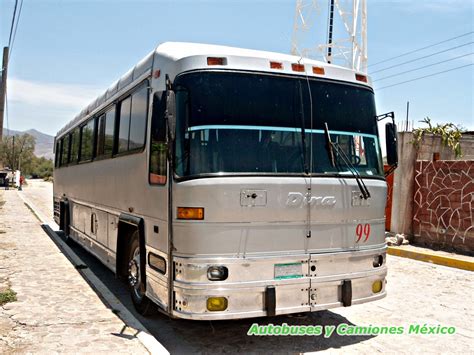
{"points": [[246, 123]]}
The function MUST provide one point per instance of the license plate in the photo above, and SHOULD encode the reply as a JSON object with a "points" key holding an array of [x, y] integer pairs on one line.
{"points": [[288, 271]]}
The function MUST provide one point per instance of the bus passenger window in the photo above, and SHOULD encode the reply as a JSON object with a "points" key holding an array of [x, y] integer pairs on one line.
{"points": [[138, 118], [158, 145], [109, 132], [87, 140], [65, 151], [74, 146], [124, 125], [57, 154], [100, 136]]}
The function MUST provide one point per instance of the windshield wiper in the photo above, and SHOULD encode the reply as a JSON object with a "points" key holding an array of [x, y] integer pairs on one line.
{"points": [[333, 145]]}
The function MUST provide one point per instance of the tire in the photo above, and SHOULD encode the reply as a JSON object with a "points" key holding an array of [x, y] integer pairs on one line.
{"points": [[65, 222], [142, 304]]}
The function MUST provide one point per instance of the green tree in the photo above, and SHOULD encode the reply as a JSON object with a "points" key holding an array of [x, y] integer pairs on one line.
{"points": [[40, 167], [16, 152]]}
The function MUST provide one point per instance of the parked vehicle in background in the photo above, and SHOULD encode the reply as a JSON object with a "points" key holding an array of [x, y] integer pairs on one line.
{"points": [[229, 183]]}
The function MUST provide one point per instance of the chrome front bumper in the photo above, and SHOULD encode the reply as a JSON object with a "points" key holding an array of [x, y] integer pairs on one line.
{"points": [[319, 287]]}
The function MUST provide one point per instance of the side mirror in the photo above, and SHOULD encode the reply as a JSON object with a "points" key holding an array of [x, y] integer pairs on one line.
{"points": [[391, 140], [170, 113]]}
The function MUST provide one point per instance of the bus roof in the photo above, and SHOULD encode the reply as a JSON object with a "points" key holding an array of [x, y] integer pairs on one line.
{"points": [[237, 58]]}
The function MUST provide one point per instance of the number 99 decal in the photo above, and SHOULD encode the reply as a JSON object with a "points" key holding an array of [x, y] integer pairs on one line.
{"points": [[362, 230]]}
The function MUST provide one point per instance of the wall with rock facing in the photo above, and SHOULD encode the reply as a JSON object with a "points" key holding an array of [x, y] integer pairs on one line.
{"points": [[443, 210], [404, 176]]}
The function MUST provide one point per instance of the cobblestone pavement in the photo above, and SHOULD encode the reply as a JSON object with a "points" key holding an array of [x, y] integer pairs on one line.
{"points": [[56, 310], [418, 293]]}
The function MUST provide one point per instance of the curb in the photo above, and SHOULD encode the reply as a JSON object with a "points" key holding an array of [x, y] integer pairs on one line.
{"points": [[129, 320], [432, 258]]}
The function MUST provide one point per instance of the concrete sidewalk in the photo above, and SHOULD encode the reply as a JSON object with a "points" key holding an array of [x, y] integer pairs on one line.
{"points": [[438, 257], [56, 310]]}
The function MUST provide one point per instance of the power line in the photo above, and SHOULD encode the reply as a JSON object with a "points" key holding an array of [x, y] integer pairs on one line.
{"points": [[13, 22], [426, 76], [425, 66], [424, 57], [420, 49], [16, 28]]}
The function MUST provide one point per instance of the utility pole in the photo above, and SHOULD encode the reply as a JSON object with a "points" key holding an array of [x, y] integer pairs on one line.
{"points": [[408, 110], [3, 88], [13, 155]]}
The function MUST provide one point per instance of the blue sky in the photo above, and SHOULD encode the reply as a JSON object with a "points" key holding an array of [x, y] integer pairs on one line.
{"points": [[67, 52]]}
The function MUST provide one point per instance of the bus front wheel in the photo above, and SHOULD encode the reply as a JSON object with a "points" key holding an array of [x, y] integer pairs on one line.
{"points": [[142, 304]]}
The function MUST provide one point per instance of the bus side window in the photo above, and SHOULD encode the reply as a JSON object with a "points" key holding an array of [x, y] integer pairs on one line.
{"points": [[124, 125], [158, 145], [87, 140], [57, 154], [65, 151], [109, 132], [100, 136], [74, 146], [138, 118]]}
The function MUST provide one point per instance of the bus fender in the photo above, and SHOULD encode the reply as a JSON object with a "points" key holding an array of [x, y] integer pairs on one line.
{"points": [[128, 223]]}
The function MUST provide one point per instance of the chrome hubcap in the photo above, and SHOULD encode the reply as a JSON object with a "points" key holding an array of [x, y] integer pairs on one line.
{"points": [[134, 273]]}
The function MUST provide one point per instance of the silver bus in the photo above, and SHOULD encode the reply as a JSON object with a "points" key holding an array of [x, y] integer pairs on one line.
{"points": [[226, 183]]}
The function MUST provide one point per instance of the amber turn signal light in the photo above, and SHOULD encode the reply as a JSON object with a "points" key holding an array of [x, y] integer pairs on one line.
{"points": [[196, 213]]}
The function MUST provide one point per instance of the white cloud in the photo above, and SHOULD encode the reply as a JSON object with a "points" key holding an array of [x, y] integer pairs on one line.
{"points": [[46, 106], [54, 95]]}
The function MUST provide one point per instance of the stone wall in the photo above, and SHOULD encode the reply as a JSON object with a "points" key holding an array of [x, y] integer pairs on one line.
{"points": [[432, 144], [404, 176], [443, 211]]}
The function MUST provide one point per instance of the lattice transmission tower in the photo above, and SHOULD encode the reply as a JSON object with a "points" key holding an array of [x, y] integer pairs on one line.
{"points": [[334, 31]]}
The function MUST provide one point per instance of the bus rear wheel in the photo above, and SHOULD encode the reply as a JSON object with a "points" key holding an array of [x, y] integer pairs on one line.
{"points": [[142, 303]]}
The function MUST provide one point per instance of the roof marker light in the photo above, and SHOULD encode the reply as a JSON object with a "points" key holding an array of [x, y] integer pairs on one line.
{"points": [[276, 65], [318, 70], [216, 61], [361, 77], [297, 67]]}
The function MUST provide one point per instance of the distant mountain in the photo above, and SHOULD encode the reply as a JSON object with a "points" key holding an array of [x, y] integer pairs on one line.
{"points": [[44, 142]]}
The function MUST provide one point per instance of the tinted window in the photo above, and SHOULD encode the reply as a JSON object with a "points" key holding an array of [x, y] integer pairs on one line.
{"points": [[74, 146], [100, 136], [65, 150], [124, 125], [87, 140], [246, 123], [138, 118], [57, 154], [109, 131], [158, 146]]}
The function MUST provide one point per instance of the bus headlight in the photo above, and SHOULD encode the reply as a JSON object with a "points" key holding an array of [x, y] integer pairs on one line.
{"points": [[217, 273], [215, 304]]}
